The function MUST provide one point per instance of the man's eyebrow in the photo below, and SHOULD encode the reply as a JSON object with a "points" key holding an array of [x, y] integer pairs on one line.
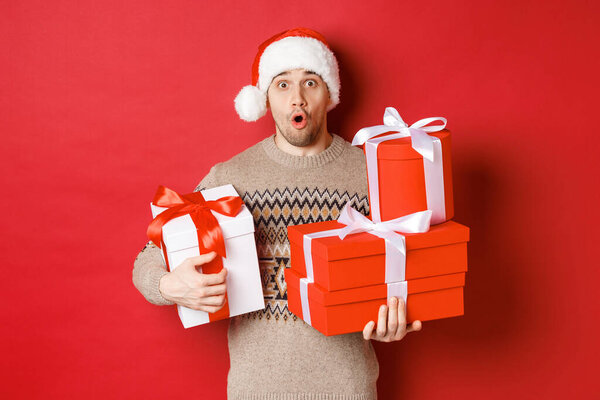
{"points": [[288, 72]]}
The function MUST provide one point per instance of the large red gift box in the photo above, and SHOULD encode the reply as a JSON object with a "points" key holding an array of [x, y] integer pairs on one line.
{"points": [[345, 311], [359, 259], [409, 169]]}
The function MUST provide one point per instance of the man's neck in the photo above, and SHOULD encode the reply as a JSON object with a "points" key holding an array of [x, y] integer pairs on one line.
{"points": [[320, 144]]}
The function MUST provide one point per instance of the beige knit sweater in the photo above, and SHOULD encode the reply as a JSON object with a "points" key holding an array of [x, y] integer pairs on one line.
{"points": [[274, 354]]}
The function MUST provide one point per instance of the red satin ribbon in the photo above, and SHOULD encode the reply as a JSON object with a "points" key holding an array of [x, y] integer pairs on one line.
{"points": [[210, 235]]}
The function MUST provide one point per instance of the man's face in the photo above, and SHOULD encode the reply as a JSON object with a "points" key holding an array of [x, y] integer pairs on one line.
{"points": [[298, 100]]}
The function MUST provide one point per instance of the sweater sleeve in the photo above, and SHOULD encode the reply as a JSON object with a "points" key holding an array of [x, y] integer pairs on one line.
{"points": [[149, 267]]}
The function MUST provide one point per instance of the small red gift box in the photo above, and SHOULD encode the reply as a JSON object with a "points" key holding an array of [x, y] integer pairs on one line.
{"points": [[345, 311], [408, 167], [360, 259]]}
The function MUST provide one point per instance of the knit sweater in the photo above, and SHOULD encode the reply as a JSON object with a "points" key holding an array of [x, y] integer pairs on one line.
{"points": [[273, 353]]}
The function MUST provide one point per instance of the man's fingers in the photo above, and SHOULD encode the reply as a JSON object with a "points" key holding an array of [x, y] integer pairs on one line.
{"points": [[214, 290], [392, 323], [401, 331], [415, 326], [217, 301], [201, 259], [215, 279], [382, 321], [368, 330]]}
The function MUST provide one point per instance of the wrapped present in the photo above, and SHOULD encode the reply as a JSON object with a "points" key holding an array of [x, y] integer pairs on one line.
{"points": [[345, 311], [211, 220], [408, 167], [375, 253]]}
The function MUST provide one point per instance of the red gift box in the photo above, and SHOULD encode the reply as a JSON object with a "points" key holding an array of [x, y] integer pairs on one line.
{"points": [[360, 259], [345, 311], [408, 167]]}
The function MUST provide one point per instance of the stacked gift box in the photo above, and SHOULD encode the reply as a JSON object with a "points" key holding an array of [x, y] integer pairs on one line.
{"points": [[343, 271]]}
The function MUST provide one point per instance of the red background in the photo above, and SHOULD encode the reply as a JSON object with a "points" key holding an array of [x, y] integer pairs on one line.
{"points": [[102, 101]]}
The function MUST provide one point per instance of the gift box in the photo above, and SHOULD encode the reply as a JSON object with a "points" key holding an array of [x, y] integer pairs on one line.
{"points": [[360, 259], [345, 311], [408, 168], [198, 223]]}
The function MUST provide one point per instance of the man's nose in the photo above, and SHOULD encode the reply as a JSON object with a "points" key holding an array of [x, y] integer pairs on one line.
{"points": [[298, 99]]}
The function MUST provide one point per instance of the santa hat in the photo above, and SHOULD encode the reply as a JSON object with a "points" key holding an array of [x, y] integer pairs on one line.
{"points": [[292, 49]]}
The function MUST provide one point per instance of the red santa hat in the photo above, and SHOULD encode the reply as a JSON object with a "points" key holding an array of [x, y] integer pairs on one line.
{"points": [[292, 49]]}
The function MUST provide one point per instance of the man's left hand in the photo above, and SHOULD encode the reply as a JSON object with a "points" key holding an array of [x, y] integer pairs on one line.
{"points": [[391, 324]]}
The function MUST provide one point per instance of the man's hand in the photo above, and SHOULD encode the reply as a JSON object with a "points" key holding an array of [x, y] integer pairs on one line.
{"points": [[391, 324], [190, 288]]}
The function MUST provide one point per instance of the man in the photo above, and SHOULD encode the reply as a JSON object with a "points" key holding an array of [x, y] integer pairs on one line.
{"points": [[299, 175]]}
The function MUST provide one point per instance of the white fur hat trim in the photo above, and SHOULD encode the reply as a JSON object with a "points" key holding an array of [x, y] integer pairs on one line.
{"points": [[250, 103]]}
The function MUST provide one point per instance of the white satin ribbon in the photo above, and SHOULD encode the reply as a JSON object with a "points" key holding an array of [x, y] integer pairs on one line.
{"points": [[310, 278], [398, 290], [395, 244], [428, 146]]}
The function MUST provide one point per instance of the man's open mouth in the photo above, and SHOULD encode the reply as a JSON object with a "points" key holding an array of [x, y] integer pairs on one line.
{"points": [[298, 120]]}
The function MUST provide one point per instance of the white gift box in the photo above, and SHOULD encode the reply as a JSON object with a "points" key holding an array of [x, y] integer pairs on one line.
{"points": [[244, 287]]}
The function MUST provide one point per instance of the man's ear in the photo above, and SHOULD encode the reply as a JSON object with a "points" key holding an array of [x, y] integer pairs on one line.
{"points": [[267, 97], [329, 101]]}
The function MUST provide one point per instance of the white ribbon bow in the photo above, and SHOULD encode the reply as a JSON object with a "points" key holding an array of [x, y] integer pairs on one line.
{"points": [[392, 122], [412, 223]]}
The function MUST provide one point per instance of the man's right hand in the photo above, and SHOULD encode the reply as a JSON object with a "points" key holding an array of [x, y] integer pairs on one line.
{"points": [[190, 288]]}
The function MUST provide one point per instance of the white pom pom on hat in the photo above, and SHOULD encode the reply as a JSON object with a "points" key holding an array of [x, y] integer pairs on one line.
{"points": [[251, 103], [292, 49]]}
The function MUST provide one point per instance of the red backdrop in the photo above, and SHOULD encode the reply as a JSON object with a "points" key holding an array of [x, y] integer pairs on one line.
{"points": [[103, 101]]}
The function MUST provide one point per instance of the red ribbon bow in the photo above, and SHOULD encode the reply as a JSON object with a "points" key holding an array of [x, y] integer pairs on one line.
{"points": [[210, 235]]}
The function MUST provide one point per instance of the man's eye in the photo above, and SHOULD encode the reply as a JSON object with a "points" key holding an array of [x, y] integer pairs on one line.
{"points": [[311, 83], [282, 85]]}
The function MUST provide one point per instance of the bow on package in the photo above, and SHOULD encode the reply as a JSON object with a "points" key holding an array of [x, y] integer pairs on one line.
{"points": [[210, 235], [395, 247], [429, 147]]}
